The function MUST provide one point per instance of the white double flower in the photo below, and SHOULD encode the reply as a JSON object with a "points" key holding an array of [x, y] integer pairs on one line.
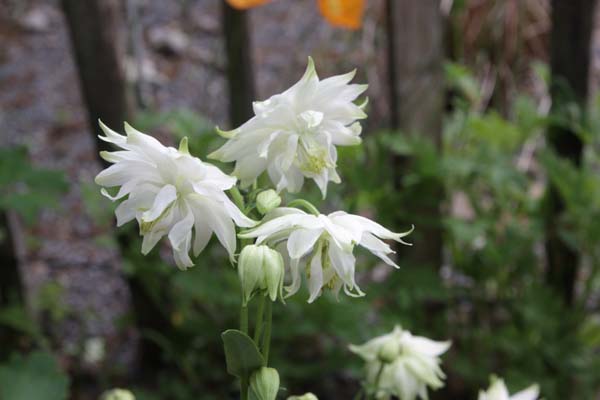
{"points": [[323, 244], [402, 365], [171, 193], [293, 134], [499, 391]]}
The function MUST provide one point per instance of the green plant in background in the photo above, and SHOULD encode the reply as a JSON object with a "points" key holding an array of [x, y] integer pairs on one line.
{"points": [[25, 188], [35, 376], [492, 298]]}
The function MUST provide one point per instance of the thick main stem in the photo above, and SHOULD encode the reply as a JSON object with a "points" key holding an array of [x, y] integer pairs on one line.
{"points": [[244, 328]]}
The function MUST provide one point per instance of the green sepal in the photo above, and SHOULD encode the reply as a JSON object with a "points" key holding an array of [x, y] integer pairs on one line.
{"points": [[241, 354]]}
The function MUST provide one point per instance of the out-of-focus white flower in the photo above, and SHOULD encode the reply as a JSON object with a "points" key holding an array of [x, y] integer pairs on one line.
{"points": [[402, 365], [94, 350], [170, 193], [498, 391], [293, 134], [324, 245], [306, 396], [118, 394]]}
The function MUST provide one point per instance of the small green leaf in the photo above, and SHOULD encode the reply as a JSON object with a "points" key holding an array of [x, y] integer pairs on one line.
{"points": [[241, 353]]}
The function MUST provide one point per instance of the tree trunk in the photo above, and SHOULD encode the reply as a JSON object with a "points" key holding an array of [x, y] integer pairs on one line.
{"points": [[416, 53], [239, 64], [11, 285], [99, 46], [570, 41]]}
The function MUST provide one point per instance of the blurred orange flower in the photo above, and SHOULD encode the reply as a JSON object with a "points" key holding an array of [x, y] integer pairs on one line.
{"points": [[245, 4], [344, 13]]}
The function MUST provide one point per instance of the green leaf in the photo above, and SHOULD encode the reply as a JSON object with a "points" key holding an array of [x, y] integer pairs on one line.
{"points": [[36, 376], [241, 353]]}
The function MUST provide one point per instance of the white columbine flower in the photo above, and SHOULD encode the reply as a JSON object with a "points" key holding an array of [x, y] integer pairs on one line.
{"points": [[402, 365], [324, 245], [169, 192], [498, 391], [293, 134]]}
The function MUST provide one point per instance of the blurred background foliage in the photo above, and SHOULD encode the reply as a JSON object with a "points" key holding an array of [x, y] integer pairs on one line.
{"points": [[490, 295]]}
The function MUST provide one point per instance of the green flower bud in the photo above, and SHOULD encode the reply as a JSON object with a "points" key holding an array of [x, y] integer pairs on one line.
{"points": [[306, 396], [274, 272], [389, 351], [264, 384], [118, 394], [260, 269], [267, 200]]}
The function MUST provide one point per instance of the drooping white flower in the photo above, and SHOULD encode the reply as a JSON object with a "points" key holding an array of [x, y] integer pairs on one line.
{"points": [[402, 365], [169, 192], [499, 391], [293, 134], [324, 245]]}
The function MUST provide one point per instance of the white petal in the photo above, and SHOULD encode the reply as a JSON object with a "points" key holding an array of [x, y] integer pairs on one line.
{"points": [[220, 223], [531, 393], [315, 282], [150, 240], [165, 197], [427, 346], [301, 241]]}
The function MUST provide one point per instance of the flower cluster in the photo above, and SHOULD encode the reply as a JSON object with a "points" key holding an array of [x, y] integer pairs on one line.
{"points": [[402, 365], [292, 136]]}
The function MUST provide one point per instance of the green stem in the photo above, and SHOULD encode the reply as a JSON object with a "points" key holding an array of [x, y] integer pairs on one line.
{"points": [[238, 199], [304, 204], [267, 336], [244, 319], [259, 319], [244, 328]]}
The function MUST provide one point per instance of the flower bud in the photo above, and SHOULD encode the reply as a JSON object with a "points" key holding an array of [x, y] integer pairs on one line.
{"points": [[264, 384], [260, 269], [267, 200], [274, 272], [118, 394], [389, 351], [306, 396]]}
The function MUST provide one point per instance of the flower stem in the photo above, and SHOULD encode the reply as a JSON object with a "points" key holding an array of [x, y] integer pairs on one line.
{"points": [[304, 204], [244, 328], [244, 319], [238, 199], [267, 336], [259, 320]]}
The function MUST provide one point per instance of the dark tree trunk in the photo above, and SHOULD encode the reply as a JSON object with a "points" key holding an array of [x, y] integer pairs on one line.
{"points": [[11, 285], [96, 32], [570, 41], [239, 64], [10, 281], [417, 97]]}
